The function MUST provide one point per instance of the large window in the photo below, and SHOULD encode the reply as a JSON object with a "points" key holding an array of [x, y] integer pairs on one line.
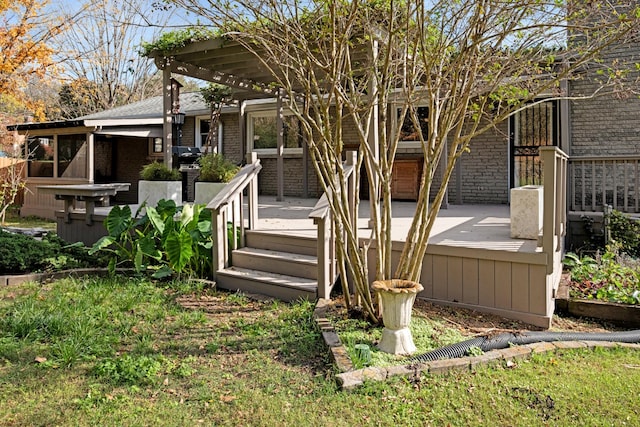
{"points": [[263, 134], [72, 156], [62, 156], [41, 156]]}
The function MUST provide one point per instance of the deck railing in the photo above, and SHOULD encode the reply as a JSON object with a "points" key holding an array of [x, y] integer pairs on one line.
{"points": [[322, 217], [555, 201], [227, 213], [601, 181]]}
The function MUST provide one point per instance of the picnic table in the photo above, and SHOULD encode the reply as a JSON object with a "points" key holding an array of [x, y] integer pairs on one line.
{"points": [[90, 194]]}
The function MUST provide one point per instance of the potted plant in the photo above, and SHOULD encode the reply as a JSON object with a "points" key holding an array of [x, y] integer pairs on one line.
{"points": [[159, 182], [215, 172]]}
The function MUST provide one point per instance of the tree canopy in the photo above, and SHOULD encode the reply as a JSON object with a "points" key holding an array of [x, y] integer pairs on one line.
{"points": [[368, 64]]}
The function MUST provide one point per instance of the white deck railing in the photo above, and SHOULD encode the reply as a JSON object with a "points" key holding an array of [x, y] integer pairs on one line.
{"points": [[599, 181], [227, 213], [322, 217]]}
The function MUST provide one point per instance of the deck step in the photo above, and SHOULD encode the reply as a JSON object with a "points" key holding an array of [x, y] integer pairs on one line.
{"points": [[284, 287], [276, 262], [291, 243]]}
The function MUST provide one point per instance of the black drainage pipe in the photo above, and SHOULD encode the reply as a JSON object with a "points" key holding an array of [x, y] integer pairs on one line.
{"points": [[505, 340]]}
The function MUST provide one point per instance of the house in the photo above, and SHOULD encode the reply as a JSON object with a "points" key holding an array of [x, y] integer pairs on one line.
{"points": [[464, 266], [110, 146]]}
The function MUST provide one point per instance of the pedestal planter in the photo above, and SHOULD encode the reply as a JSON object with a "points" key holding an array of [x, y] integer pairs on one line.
{"points": [[154, 191], [206, 191], [397, 298]]}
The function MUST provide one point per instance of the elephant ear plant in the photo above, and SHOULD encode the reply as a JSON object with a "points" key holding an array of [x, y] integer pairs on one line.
{"points": [[167, 239]]}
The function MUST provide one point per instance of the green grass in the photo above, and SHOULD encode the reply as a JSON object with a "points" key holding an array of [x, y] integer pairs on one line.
{"points": [[123, 352], [12, 219]]}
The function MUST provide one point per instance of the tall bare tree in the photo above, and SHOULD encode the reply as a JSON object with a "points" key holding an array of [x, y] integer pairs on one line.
{"points": [[472, 63], [101, 67]]}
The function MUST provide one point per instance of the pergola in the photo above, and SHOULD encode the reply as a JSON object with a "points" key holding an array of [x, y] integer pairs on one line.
{"points": [[230, 63]]}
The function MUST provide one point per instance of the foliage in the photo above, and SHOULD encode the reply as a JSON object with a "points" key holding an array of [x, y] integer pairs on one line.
{"points": [[473, 64], [263, 363], [625, 232], [100, 66], [24, 254], [158, 171], [215, 167], [12, 176], [166, 239], [177, 39], [25, 37], [215, 95], [608, 277]]}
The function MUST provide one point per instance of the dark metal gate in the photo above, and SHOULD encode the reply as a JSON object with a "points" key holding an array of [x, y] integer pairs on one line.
{"points": [[534, 127]]}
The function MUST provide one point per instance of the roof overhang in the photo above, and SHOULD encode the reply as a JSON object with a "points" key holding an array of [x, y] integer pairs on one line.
{"points": [[154, 131]]}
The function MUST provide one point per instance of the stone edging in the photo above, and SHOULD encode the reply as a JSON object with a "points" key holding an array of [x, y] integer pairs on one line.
{"points": [[17, 279], [349, 378]]}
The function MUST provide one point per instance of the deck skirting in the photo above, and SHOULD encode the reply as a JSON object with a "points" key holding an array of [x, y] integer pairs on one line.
{"points": [[511, 284]]}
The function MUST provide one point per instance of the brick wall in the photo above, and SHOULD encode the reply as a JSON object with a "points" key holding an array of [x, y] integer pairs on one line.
{"points": [[609, 124]]}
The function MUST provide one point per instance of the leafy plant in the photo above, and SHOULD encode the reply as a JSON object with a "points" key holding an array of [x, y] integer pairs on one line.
{"points": [[158, 171], [177, 39], [166, 239], [20, 253], [215, 167], [606, 277], [132, 370]]}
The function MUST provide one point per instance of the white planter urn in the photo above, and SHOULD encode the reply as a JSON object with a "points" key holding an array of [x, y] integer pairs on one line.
{"points": [[154, 191], [206, 191], [397, 297]]}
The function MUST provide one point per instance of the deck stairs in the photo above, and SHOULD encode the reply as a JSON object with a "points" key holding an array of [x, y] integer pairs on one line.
{"points": [[273, 263]]}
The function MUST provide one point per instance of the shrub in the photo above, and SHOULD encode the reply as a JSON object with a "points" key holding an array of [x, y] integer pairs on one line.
{"points": [[157, 171], [215, 167], [24, 254], [625, 231]]}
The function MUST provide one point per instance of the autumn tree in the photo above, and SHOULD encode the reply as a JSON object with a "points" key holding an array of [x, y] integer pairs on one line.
{"points": [[25, 48], [471, 63]]}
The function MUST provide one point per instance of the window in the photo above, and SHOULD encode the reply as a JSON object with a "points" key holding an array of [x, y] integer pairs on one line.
{"points": [[263, 135], [61, 156], [41, 156], [409, 135], [72, 156], [157, 145]]}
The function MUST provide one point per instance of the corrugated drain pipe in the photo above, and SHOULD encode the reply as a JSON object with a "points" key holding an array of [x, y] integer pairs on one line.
{"points": [[505, 340]]}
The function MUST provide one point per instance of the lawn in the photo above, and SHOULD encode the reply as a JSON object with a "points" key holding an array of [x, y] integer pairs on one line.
{"points": [[129, 352]]}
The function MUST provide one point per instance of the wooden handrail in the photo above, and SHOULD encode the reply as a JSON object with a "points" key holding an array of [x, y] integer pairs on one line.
{"points": [[227, 208], [326, 241]]}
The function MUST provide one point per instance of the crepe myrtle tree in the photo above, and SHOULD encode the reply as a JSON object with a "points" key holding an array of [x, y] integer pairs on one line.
{"points": [[472, 63]]}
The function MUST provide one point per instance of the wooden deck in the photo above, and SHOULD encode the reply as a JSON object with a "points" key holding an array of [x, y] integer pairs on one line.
{"points": [[471, 261]]}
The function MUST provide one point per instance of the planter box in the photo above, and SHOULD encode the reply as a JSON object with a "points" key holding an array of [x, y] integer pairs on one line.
{"points": [[154, 191], [625, 314], [206, 191], [526, 212]]}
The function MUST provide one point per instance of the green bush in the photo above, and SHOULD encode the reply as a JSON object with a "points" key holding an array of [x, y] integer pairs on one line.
{"points": [[157, 171], [625, 232], [215, 167], [24, 254]]}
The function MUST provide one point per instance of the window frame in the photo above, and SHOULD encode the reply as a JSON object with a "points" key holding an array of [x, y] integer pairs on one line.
{"points": [[250, 132], [395, 123]]}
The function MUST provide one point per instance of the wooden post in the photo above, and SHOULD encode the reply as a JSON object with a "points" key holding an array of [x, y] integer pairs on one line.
{"points": [[167, 124], [324, 271], [252, 194], [219, 242], [280, 147]]}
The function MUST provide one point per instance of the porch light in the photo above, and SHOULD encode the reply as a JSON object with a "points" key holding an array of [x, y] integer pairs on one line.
{"points": [[178, 118]]}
